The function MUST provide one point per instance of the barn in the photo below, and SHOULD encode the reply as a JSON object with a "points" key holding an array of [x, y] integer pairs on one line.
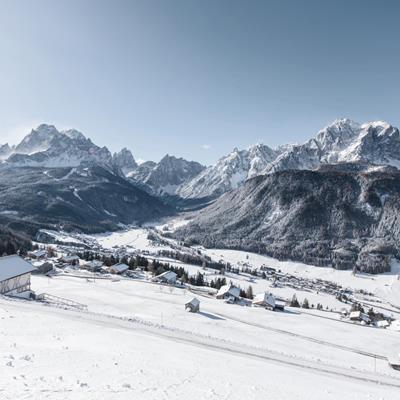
{"points": [[119, 268], [15, 275]]}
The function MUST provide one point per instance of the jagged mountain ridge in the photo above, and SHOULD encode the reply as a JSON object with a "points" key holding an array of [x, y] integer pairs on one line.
{"points": [[48, 147], [166, 176], [342, 141], [338, 216], [229, 172]]}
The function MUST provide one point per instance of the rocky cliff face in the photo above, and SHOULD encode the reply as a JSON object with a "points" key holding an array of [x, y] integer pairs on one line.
{"points": [[166, 176], [340, 216], [124, 161]]}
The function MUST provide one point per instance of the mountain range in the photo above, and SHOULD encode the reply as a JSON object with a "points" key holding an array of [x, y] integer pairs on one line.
{"points": [[329, 201]]}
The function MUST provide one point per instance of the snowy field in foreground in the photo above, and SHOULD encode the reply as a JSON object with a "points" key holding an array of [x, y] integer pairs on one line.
{"points": [[136, 341]]}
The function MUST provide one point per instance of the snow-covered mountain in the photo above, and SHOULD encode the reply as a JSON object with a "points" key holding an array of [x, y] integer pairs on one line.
{"points": [[229, 172], [5, 151], [124, 161], [166, 176], [343, 141], [45, 146], [339, 215]]}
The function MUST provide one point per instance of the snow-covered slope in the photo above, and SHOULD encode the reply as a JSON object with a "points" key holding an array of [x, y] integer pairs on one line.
{"points": [[344, 141], [224, 351], [229, 172]]}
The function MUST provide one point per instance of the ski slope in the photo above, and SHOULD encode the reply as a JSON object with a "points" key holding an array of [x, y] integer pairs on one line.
{"points": [[136, 341]]}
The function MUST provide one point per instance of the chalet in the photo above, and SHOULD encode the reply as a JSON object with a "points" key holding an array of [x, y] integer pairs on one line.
{"points": [[166, 277], [230, 293], [193, 305], [119, 268], [71, 259], [265, 299], [37, 254], [15, 276], [360, 317], [93, 265], [42, 267]]}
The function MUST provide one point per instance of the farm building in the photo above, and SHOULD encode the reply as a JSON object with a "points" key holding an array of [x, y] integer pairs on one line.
{"points": [[383, 323], [15, 275], [360, 317], [119, 268], [42, 267], [93, 266], [37, 254], [71, 259], [193, 305], [229, 292], [265, 299], [166, 277]]}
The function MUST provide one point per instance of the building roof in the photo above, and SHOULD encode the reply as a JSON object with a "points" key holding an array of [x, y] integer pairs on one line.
{"points": [[12, 266], [38, 253], [168, 275], [70, 258], [194, 302], [120, 267], [230, 290], [355, 314], [94, 263], [264, 298]]}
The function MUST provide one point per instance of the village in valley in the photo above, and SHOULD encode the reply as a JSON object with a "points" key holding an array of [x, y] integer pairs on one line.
{"points": [[341, 322]]}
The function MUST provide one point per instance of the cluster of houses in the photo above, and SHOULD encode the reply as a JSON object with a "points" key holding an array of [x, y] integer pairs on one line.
{"points": [[231, 294]]}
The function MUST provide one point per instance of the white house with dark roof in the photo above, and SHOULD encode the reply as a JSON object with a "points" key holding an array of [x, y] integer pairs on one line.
{"points": [[166, 277], [15, 275], [229, 292], [264, 299]]}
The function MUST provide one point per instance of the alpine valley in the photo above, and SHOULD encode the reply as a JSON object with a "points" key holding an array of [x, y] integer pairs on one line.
{"points": [[332, 201]]}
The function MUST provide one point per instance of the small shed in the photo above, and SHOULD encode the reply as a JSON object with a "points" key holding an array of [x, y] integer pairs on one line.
{"points": [[394, 361], [166, 277], [119, 268], [229, 292], [15, 275], [383, 323], [193, 305], [355, 316]]}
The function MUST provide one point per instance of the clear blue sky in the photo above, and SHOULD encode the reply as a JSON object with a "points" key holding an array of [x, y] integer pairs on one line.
{"points": [[196, 78]]}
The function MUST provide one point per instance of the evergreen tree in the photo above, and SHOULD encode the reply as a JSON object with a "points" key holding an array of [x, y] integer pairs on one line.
{"points": [[294, 302], [305, 304]]}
